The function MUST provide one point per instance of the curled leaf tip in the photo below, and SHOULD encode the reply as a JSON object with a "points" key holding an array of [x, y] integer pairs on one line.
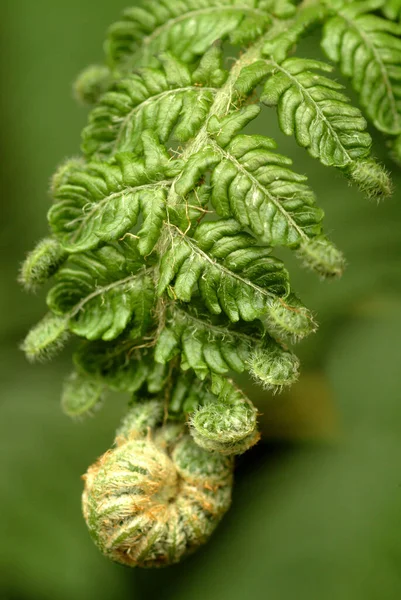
{"points": [[152, 500], [92, 83], [372, 179], [321, 255], [46, 339]]}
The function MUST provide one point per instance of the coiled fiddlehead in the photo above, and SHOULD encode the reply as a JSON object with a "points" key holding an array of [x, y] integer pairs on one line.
{"points": [[155, 496], [160, 252]]}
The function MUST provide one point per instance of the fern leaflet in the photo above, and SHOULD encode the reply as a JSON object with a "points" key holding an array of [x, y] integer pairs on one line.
{"points": [[368, 50]]}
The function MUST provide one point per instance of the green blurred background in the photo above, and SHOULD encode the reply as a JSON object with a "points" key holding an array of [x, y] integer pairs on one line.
{"points": [[317, 505]]}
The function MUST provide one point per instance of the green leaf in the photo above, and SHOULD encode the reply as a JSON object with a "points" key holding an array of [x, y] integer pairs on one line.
{"points": [[92, 83], [216, 346], [141, 418], [368, 50], [168, 100], [187, 28], [251, 76], [41, 264], [120, 366], [224, 130], [322, 256], [313, 109], [289, 320], [223, 263], [102, 201], [46, 339], [187, 394], [256, 186], [279, 46], [101, 292], [81, 395], [227, 424], [210, 71], [392, 9]]}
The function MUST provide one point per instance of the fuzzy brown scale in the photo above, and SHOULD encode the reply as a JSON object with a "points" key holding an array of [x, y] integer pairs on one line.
{"points": [[154, 498]]}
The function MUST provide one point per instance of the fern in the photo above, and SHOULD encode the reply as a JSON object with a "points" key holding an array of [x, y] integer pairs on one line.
{"points": [[230, 273], [188, 27], [392, 9], [160, 253], [368, 49], [170, 99], [312, 107], [98, 202], [214, 346]]}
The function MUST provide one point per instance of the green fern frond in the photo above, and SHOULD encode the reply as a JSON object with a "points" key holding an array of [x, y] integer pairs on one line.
{"points": [[312, 107], [160, 252], [171, 100], [281, 45], [92, 83], [99, 202], [392, 9], [256, 186], [216, 346], [288, 319], [46, 339], [227, 425], [188, 27], [231, 273], [121, 366], [368, 50], [128, 245], [101, 292], [81, 395], [41, 264]]}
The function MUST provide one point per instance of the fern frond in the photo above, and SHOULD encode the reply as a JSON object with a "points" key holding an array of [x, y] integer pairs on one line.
{"points": [[368, 50], [121, 366], [92, 83], [392, 9], [100, 293], [233, 275], [46, 339], [312, 107], [188, 27], [227, 425], [256, 186], [216, 346], [81, 395], [288, 319], [281, 45], [161, 236], [172, 100], [185, 394], [99, 202], [41, 264]]}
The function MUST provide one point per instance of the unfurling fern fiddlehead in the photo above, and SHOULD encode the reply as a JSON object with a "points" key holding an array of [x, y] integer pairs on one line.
{"points": [[155, 498], [160, 251]]}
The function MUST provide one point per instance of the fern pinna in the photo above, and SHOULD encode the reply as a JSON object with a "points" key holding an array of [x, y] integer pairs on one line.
{"points": [[162, 233]]}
